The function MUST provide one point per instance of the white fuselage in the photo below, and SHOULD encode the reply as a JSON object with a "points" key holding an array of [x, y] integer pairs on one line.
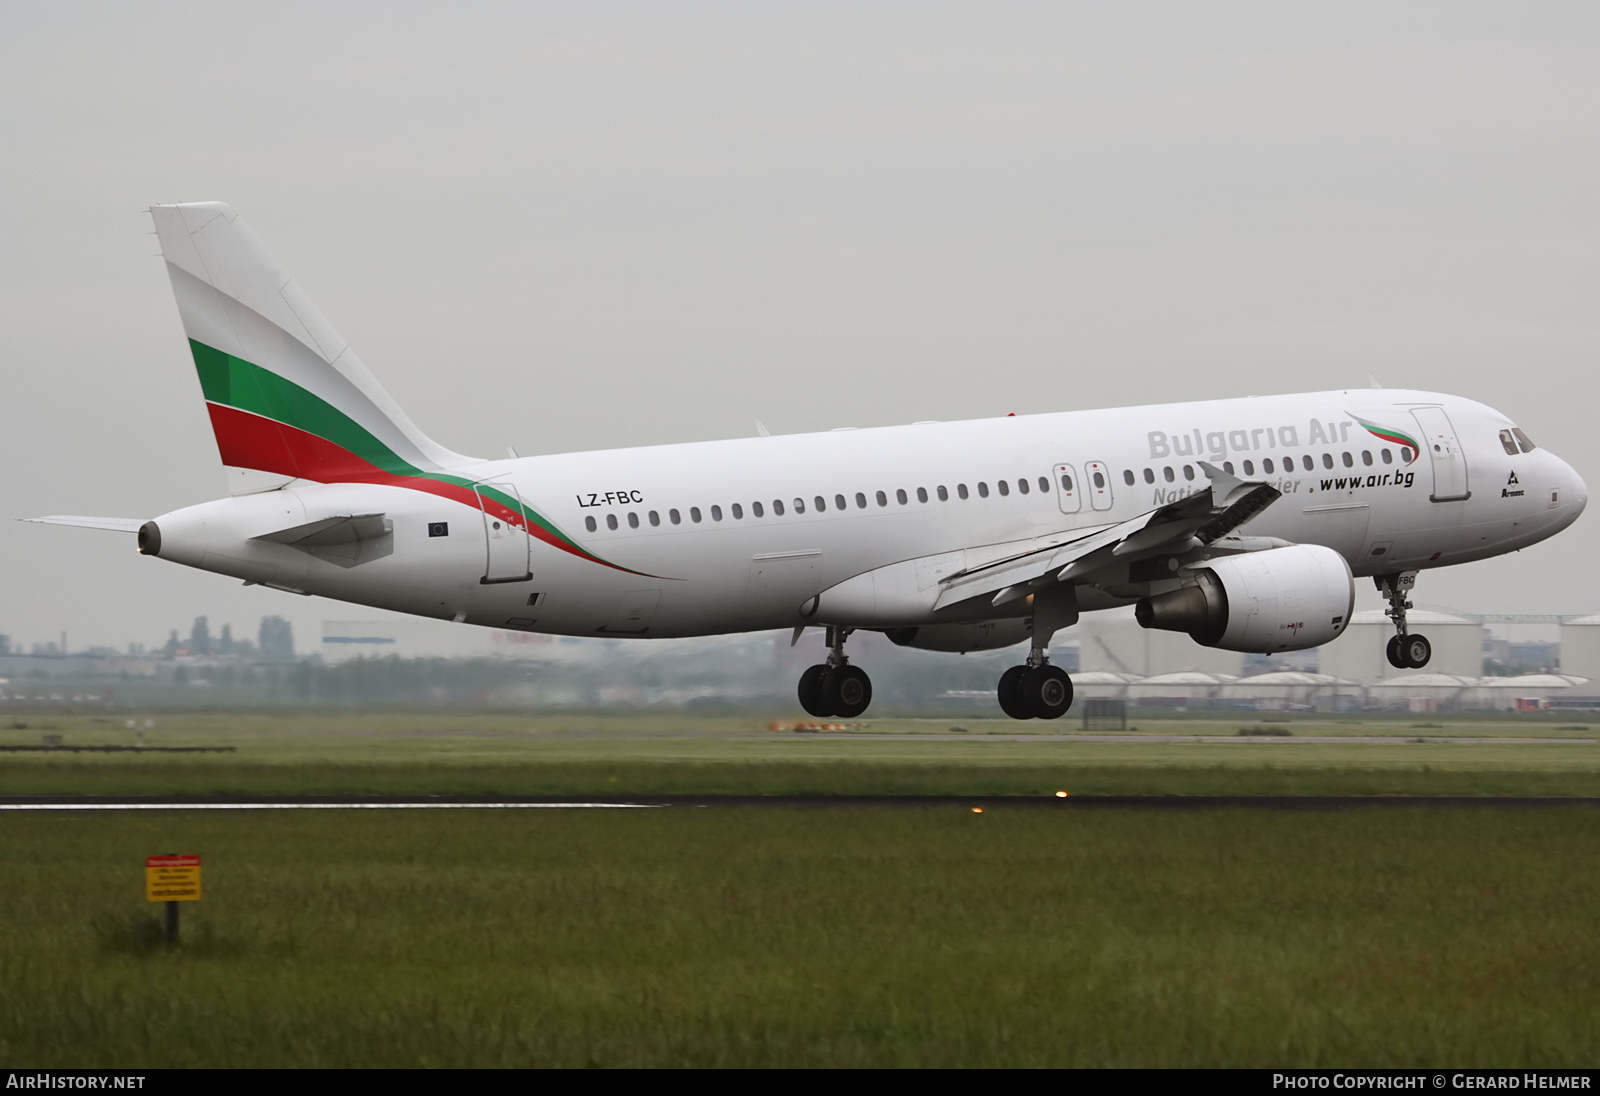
{"points": [[727, 536]]}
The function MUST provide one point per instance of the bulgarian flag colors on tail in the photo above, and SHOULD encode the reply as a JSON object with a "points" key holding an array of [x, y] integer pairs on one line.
{"points": [[287, 397]]}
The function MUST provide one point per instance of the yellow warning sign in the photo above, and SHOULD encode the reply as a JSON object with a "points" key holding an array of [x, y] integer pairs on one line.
{"points": [[172, 878]]}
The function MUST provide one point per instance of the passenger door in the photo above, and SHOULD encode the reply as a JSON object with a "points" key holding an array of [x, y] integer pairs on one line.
{"points": [[505, 528], [1449, 462]]}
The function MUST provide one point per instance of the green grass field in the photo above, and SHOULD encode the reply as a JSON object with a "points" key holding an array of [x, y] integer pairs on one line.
{"points": [[492, 755], [895, 936], [786, 937]]}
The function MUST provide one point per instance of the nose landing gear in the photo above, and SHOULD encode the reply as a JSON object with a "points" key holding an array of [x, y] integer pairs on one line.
{"points": [[834, 687], [1406, 651]]}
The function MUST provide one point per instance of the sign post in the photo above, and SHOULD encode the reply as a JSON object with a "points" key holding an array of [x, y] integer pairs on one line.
{"points": [[172, 879]]}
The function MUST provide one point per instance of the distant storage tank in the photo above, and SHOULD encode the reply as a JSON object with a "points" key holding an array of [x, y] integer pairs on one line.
{"points": [[1580, 650]]}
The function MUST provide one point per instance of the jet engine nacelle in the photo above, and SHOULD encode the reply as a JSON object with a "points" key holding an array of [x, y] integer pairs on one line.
{"points": [[982, 635], [1282, 599]]}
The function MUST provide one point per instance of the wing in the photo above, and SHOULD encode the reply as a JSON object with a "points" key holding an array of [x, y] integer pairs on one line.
{"points": [[911, 590], [1200, 519]]}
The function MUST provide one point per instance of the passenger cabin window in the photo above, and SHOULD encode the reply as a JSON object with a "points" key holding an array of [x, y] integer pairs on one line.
{"points": [[716, 513], [674, 517], [633, 520], [1227, 466], [838, 502], [655, 518], [821, 504], [983, 490], [589, 523], [694, 514], [738, 512], [900, 496], [1188, 474], [1349, 461], [1005, 488], [1099, 481], [777, 507], [1366, 458], [1406, 456], [883, 499], [1307, 462], [1387, 458], [756, 509], [922, 494], [1266, 465], [961, 489], [1127, 476], [1149, 475], [1022, 486], [1044, 484], [861, 501], [611, 521], [1168, 474], [944, 496], [1327, 460]]}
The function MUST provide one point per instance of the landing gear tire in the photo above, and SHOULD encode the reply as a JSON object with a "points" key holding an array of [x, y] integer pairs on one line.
{"points": [[847, 690], [1047, 691], [1397, 657], [811, 691], [1417, 651], [1010, 693]]}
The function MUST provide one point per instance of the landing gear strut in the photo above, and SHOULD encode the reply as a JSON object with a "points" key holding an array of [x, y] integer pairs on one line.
{"points": [[1406, 651], [834, 687]]}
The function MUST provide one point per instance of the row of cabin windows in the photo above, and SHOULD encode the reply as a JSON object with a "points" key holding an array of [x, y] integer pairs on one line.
{"points": [[820, 503], [1307, 463], [840, 502]]}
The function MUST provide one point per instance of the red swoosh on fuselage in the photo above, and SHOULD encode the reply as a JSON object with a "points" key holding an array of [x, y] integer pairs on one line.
{"points": [[246, 440]]}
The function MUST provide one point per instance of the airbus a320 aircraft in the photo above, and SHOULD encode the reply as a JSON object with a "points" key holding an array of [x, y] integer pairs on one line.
{"points": [[1242, 522]]}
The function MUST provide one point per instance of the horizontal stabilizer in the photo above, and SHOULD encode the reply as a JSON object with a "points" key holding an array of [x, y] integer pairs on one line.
{"points": [[78, 521], [348, 529]]}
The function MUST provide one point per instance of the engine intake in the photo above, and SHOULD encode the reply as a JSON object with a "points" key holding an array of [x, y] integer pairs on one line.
{"points": [[1282, 599]]}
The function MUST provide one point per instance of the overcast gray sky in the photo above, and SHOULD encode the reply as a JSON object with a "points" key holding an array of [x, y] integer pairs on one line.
{"points": [[575, 226]]}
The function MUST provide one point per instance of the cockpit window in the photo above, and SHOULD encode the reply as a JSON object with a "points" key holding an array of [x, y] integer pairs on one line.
{"points": [[1527, 442], [1508, 443]]}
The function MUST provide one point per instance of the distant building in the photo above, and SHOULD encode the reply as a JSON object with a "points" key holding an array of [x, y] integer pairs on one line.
{"points": [[1580, 649], [1113, 642], [422, 638], [1359, 656]]}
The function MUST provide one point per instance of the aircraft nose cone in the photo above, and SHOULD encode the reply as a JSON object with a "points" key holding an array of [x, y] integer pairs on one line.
{"points": [[1573, 493], [1577, 492]]}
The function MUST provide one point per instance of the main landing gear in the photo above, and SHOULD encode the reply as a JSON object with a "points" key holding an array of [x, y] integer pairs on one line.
{"points": [[1406, 651], [834, 687], [1036, 689]]}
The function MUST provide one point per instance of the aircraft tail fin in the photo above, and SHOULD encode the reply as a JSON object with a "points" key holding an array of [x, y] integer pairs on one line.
{"points": [[288, 398]]}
